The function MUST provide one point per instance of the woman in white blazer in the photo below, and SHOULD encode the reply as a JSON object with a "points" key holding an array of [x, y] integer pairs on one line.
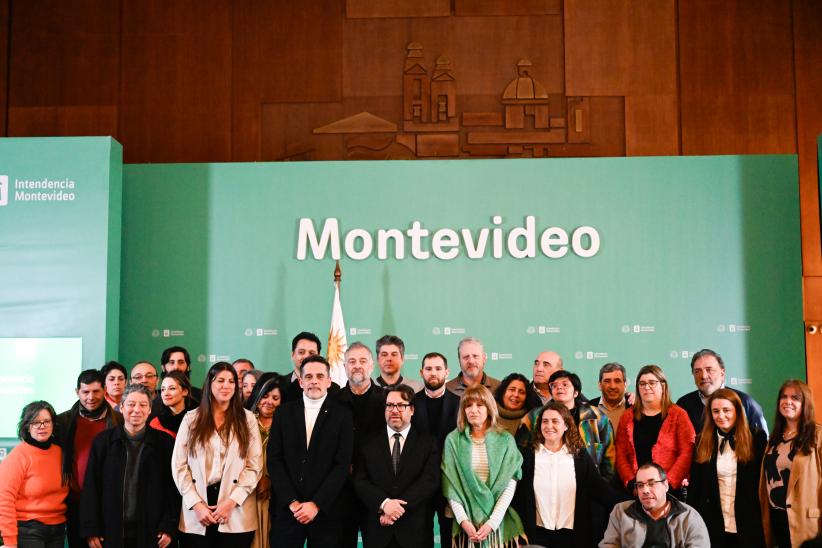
{"points": [[216, 465]]}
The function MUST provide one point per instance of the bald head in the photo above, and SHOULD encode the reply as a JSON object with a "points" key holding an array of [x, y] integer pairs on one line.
{"points": [[545, 364]]}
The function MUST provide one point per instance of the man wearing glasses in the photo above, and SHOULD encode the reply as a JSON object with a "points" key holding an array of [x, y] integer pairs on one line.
{"points": [[396, 476], [144, 373], [655, 518], [76, 429]]}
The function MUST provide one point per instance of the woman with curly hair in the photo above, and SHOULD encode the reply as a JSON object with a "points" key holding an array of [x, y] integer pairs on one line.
{"points": [[559, 482]]}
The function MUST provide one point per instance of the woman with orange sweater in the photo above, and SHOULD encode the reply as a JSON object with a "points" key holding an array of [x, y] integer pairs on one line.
{"points": [[32, 492]]}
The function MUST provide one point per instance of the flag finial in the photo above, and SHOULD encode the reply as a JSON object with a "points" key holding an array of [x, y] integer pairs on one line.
{"points": [[337, 272]]}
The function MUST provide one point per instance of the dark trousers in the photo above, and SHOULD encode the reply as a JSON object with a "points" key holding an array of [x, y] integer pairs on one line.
{"points": [[73, 523], [779, 528], [322, 532], [558, 538], [213, 537], [731, 540], [437, 509], [33, 534]]}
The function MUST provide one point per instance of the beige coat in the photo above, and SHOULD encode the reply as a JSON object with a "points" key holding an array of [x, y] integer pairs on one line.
{"points": [[804, 498], [240, 477]]}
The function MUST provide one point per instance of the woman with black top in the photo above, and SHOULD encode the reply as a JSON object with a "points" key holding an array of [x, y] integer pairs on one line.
{"points": [[724, 486], [657, 431], [790, 485], [175, 395]]}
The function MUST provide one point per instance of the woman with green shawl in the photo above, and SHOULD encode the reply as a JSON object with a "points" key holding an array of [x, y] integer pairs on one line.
{"points": [[480, 469]]}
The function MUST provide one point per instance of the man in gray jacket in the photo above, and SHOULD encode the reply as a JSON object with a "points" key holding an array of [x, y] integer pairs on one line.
{"points": [[656, 518]]}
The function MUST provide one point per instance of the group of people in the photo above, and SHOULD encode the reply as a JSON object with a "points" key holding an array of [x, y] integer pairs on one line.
{"points": [[264, 459]]}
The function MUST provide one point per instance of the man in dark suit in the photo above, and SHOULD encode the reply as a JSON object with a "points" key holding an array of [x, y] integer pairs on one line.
{"points": [[708, 370], [309, 458], [303, 345], [396, 476], [435, 412]]}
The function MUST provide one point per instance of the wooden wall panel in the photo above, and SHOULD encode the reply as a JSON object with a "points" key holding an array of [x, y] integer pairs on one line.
{"points": [[176, 81], [283, 52], [737, 79], [397, 8], [375, 50], [5, 25], [63, 68], [64, 53], [63, 121], [627, 48], [807, 19], [507, 7]]}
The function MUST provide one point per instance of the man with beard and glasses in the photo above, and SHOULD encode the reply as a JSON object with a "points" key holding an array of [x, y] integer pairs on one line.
{"points": [[435, 412]]}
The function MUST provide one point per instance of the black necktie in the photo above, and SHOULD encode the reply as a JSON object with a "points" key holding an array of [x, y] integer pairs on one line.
{"points": [[395, 452]]}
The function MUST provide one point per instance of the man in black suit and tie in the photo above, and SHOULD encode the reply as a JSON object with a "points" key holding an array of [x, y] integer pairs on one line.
{"points": [[396, 476], [309, 458], [435, 412]]}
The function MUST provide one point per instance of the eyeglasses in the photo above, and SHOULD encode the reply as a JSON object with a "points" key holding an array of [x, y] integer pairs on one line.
{"points": [[397, 406], [40, 424], [148, 376], [560, 384], [649, 484], [649, 384]]}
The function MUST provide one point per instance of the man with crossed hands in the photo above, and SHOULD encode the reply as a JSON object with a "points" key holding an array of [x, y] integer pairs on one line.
{"points": [[396, 476]]}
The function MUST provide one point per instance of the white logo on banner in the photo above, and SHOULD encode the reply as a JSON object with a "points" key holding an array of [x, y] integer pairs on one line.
{"points": [[4, 190]]}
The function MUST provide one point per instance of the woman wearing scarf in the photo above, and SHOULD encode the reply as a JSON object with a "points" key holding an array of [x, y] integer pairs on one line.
{"points": [[263, 401], [515, 399], [480, 468], [724, 485], [32, 489]]}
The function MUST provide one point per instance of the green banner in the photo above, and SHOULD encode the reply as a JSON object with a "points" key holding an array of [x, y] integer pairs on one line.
{"points": [[635, 260], [60, 224]]}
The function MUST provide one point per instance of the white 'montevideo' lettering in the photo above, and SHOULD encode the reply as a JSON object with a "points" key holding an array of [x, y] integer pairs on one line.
{"points": [[446, 244]]}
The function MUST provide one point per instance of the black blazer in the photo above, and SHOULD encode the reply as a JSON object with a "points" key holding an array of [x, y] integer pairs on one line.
{"points": [[703, 494], [101, 506], [417, 482], [448, 419], [590, 485], [316, 473]]}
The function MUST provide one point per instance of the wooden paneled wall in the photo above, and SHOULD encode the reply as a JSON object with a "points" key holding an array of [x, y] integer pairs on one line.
{"points": [[254, 80]]}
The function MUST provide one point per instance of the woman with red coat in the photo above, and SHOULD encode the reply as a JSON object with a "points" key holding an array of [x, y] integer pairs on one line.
{"points": [[657, 431]]}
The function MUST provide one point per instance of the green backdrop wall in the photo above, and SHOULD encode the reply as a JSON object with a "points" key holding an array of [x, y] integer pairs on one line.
{"points": [[693, 252], [60, 213]]}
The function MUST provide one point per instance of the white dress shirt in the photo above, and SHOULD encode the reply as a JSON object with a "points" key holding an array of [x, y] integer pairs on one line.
{"points": [[726, 474], [555, 488]]}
